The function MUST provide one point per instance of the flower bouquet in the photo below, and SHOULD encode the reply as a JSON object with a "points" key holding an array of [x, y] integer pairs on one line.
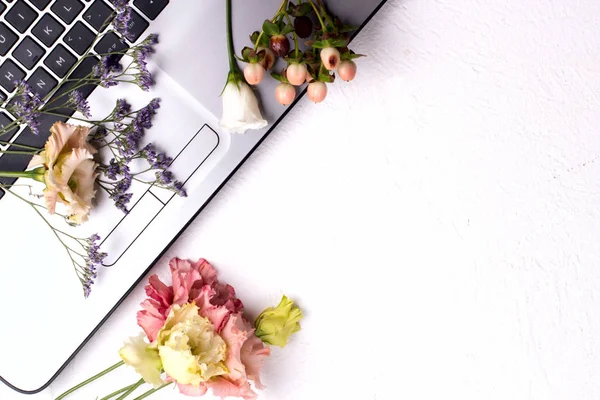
{"points": [[87, 154], [196, 337]]}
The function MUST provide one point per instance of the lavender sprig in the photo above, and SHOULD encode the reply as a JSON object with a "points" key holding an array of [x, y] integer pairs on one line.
{"points": [[122, 139]]}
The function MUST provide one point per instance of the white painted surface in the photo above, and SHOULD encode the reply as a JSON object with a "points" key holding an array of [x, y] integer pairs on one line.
{"points": [[437, 219]]}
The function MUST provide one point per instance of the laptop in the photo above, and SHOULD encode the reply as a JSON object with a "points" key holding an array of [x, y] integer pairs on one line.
{"points": [[45, 318]]}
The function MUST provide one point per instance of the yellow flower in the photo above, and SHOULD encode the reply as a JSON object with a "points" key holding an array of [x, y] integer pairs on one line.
{"points": [[190, 350], [275, 325], [144, 358], [70, 170]]}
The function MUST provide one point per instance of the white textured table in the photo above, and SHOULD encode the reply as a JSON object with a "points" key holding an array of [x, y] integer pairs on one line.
{"points": [[437, 220]]}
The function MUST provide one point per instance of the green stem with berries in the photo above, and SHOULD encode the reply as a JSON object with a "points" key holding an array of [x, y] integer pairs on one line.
{"points": [[262, 32], [318, 15]]}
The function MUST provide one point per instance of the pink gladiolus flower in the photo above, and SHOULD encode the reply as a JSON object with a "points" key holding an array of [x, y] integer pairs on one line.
{"points": [[197, 283]]}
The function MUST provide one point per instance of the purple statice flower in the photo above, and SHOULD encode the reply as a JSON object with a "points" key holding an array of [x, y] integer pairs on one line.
{"points": [[157, 160], [105, 70], [93, 259], [27, 107], [122, 17], [164, 177], [119, 193], [80, 103], [113, 169], [122, 109], [178, 188], [122, 200]]}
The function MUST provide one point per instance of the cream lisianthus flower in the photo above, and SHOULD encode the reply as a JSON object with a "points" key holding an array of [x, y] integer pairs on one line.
{"points": [[190, 350], [144, 358], [70, 170], [240, 107]]}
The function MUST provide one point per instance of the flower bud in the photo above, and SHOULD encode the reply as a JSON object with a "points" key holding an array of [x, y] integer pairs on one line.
{"points": [[269, 60], [347, 70], [330, 57], [275, 325], [285, 94], [317, 91], [296, 74], [280, 45], [254, 73]]}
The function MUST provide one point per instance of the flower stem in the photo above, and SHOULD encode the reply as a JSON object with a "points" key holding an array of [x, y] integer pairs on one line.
{"points": [[93, 378], [297, 52], [135, 385], [281, 7], [116, 392], [232, 64], [14, 174], [318, 15], [151, 391]]}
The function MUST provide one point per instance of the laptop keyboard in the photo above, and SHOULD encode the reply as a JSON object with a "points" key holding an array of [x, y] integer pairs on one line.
{"points": [[40, 41]]}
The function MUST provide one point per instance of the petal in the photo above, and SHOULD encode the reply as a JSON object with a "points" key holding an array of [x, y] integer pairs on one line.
{"points": [[151, 324], [141, 356], [208, 273], [184, 277], [253, 356], [37, 160], [217, 315], [235, 334], [223, 388], [192, 390], [240, 109], [158, 291]]}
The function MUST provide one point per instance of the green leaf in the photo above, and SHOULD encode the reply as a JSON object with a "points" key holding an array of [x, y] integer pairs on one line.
{"points": [[347, 28], [270, 28], [319, 44], [325, 77], [287, 29], [254, 36], [278, 77], [248, 53], [299, 10], [339, 42]]}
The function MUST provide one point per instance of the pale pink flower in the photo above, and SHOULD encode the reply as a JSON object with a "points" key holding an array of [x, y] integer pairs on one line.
{"points": [[70, 170]]}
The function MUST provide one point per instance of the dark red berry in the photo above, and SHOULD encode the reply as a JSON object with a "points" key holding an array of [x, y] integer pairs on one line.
{"points": [[303, 26], [280, 45]]}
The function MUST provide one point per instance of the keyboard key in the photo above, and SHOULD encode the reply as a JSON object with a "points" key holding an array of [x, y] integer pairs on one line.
{"points": [[4, 122], [21, 16], [7, 39], [9, 73], [3, 97], [151, 8], [1, 194], [42, 82], [60, 60], [137, 25], [110, 43], [98, 15], [47, 30], [67, 10], [28, 52], [79, 38], [2, 7], [40, 4]]}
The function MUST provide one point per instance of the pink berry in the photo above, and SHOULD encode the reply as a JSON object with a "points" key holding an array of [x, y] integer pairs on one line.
{"points": [[254, 73], [317, 91], [296, 74], [285, 93], [330, 57], [347, 70]]}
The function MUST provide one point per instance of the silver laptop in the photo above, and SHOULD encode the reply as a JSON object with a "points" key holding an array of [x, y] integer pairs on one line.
{"points": [[45, 319]]}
